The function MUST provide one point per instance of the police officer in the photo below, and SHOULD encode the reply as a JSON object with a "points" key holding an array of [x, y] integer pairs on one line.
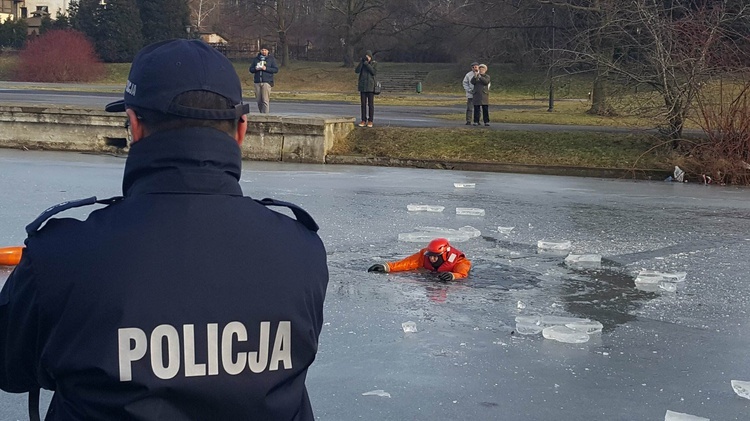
{"points": [[439, 256], [177, 300]]}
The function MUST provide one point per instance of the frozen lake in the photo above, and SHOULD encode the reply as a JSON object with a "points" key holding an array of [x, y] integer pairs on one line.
{"points": [[659, 349]]}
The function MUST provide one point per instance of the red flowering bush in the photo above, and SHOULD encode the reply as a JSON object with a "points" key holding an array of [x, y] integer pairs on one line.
{"points": [[59, 56]]}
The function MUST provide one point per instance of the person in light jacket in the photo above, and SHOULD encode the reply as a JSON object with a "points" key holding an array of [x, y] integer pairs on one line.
{"points": [[469, 88]]}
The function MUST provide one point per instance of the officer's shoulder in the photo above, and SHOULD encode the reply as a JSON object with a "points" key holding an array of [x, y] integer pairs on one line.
{"points": [[36, 225], [300, 214]]}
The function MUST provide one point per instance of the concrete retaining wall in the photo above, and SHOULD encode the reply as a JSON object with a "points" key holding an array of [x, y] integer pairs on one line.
{"points": [[270, 137]]}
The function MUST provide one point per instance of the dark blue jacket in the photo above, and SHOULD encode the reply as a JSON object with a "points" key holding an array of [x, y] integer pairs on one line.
{"points": [[184, 300], [264, 76]]}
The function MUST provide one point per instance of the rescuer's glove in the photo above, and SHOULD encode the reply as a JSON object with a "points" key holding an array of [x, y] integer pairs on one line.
{"points": [[376, 268], [446, 276]]}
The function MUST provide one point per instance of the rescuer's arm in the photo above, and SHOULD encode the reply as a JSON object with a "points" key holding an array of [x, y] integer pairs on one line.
{"points": [[415, 261]]}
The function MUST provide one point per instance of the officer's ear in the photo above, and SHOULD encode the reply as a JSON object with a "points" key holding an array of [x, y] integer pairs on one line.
{"points": [[137, 131], [241, 130]]}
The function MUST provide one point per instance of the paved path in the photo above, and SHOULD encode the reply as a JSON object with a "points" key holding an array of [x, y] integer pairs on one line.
{"points": [[97, 96]]}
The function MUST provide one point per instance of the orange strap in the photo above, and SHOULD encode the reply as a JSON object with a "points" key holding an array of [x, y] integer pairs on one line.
{"points": [[10, 256]]}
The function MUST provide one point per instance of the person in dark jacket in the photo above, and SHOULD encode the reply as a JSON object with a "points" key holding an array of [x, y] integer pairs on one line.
{"points": [[178, 301], [481, 100], [367, 69], [263, 68]]}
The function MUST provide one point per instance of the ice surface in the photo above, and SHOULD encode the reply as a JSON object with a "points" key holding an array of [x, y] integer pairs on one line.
{"points": [[409, 327], [424, 208], [679, 416], [504, 230], [464, 185], [427, 234], [589, 327], [565, 334], [470, 211], [583, 258], [550, 245], [741, 388], [380, 392]]}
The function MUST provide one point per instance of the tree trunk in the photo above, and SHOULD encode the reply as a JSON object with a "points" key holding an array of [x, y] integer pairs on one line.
{"points": [[284, 43], [598, 96]]}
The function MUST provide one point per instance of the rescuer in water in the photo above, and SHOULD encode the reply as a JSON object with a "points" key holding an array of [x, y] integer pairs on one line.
{"points": [[439, 256]]}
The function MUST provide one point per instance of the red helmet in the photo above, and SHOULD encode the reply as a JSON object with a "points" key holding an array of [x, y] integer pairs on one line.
{"points": [[438, 247]]}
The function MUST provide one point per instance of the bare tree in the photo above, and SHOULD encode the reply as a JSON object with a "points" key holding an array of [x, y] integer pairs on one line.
{"points": [[355, 19], [201, 11], [280, 16]]}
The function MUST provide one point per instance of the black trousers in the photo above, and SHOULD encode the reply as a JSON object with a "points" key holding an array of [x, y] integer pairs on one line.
{"points": [[366, 100], [485, 113]]}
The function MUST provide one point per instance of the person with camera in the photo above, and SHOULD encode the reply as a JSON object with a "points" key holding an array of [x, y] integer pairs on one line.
{"points": [[481, 82], [367, 69], [263, 68]]}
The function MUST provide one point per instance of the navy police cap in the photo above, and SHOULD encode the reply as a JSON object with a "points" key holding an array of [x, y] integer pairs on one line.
{"points": [[162, 71]]}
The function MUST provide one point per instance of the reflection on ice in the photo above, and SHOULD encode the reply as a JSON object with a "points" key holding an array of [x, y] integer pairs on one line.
{"points": [[427, 234], [679, 416]]}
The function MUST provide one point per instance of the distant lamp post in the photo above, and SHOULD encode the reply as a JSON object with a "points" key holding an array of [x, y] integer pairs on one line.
{"points": [[552, 66]]}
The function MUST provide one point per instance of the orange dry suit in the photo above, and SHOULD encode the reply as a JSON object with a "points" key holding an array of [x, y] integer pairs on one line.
{"points": [[454, 261]]}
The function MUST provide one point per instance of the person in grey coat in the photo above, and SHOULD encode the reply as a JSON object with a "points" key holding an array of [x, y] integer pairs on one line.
{"points": [[367, 69], [481, 92]]}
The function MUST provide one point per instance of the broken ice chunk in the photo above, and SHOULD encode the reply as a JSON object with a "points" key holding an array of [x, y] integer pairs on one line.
{"points": [[424, 208], [679, 416], [464, 185], [380, 392], [741, 388], [528, 325], [565, 334], [427, 234], [409, 327], [668, 286], [588, 326], [528, 328], [504, 230], [583, 258], [654, 277], [470, 211], [521, 304], [551, 245]]}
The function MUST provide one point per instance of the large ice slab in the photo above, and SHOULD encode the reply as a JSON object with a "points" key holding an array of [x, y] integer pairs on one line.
{"points": [[470, 211], [565, 334], [679, 416], [654, 277], [427, 234], [464, 185], [741, 388], [588, 327], [554, 245], [424, 208], [583, 258]]}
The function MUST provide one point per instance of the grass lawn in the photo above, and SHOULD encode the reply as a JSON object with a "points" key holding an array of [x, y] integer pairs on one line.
{"points": [[592, 150]]}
